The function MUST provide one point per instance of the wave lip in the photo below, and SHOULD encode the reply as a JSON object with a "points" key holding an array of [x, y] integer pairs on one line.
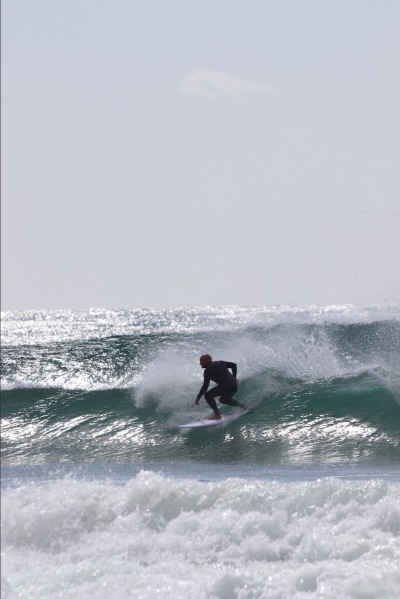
{"points": [[306, 351]]}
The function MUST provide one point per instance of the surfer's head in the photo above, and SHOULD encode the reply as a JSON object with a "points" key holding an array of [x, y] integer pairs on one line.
{"points": [[205, 360]]}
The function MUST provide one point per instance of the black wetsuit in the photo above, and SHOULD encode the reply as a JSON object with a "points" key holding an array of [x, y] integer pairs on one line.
{"points": [[227, 384]]}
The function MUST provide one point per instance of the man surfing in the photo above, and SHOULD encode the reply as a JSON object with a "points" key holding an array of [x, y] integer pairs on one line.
{"points": [[227, 384]]}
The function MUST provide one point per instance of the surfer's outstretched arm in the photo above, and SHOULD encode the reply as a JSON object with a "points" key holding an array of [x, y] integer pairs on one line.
{"points": [[203, 389]]}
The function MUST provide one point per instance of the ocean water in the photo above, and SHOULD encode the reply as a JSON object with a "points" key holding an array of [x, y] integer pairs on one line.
{"points": [[102, 496]]}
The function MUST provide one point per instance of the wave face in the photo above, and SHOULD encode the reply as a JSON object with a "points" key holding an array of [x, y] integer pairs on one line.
{"points": [[108, 386]]}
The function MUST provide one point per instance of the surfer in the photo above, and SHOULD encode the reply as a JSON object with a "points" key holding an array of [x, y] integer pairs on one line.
{"points": [[227, 384]]}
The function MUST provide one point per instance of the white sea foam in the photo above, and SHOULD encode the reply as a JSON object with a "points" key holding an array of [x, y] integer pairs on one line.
{"points": [[162, 537]]}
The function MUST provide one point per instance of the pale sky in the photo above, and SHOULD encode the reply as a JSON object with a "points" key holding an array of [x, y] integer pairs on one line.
{"points": [[165, 153]]}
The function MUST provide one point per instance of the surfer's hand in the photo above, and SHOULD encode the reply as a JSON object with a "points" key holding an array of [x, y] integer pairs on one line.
{"points": [[237, 380], [197, 401]]}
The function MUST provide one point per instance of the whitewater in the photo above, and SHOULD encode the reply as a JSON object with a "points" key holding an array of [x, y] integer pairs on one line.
{"points": [[103, 496]]}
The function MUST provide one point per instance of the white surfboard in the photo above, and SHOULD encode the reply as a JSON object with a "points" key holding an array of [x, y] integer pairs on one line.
{"points": [[225, 419]]}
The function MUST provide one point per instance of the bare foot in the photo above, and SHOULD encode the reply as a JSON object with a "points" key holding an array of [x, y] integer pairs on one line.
{"points": [[215, 417]]}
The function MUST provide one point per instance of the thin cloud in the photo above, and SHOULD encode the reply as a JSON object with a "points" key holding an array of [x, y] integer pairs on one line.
{"points": [[214, 83]]}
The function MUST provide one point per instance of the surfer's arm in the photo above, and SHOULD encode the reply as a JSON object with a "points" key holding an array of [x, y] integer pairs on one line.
{"points": [[232, 366], [203, 388]]}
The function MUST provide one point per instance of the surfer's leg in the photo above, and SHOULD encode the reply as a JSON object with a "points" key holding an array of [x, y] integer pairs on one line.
{"points": [[209, 397], [227, 398]]}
